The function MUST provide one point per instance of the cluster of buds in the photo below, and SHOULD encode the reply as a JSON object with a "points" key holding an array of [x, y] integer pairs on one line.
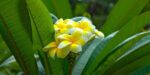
{"points": [[71, 36]]}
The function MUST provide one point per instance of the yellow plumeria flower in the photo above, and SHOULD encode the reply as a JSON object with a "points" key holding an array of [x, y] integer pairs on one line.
{"points": [[70, 36], [53, 50], [89, 29], [85, 25], [73, 41], [63, 26], [98, 34]]}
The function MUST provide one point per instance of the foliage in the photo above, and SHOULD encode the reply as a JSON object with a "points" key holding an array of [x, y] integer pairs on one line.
{"points": [[26, 27]]}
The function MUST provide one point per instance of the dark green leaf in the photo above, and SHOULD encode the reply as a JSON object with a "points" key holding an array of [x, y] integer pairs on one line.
{"points": [[61, 8], [131, 28], [123, 12], [140, 49], [79, 18], [119, 50], [82, 60], [15, 29], [88, 50], [43, 33], [54, 18]]}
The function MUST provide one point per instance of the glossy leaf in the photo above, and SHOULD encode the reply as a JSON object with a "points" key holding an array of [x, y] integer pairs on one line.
{"points": [[120, 50], [122, 13], [60, 8], [132, 60], [140, 49], [134, 26], [8, 61], [15, 29], [141, 62], [42, 20], [82, 61], [43, 34], [90, 48]]}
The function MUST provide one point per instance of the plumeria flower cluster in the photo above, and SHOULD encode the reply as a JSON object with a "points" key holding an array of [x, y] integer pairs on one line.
{"points": [[70, 36]]}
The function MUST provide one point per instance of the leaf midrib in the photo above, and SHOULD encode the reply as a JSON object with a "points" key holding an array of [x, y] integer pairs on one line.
{"points": [[17, 51]]}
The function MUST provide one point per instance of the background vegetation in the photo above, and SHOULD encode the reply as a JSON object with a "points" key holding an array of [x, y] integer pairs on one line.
{"points": [[26, 27]]}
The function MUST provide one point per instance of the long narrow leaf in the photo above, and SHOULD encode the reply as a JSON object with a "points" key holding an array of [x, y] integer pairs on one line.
{"points": [[90, 48], [134, 26], [61, 8], [43, 33], [121, 49], [15, 29], [139, 62], [123, 12], [136, 52]]}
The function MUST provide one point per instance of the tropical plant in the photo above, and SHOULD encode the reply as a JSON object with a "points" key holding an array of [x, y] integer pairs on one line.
{"points": [[27, 27]]}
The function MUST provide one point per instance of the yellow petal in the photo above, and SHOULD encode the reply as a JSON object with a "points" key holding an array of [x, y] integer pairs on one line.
{"points": [[52, 52], [50, 45], [64, 37], [81, 41], [77, 33], [62, 53], [85, 22], [56, 28], [86, 25], [99, 34], [60, 21], [64, 30], [64, 44], [87, 35], [69, 23], [67, 20], [75, 48]]}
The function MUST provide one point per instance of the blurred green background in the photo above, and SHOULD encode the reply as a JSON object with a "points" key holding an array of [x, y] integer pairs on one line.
{"points": [[96, 10]]}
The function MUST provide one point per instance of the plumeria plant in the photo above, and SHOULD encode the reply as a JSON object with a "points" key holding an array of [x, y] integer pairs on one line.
{"points": [[70, 36], [41, 44]]}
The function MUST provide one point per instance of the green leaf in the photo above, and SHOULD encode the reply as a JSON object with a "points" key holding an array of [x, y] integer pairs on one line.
{"points": [[4, 51], [10, 64], [140, 49], [41, 68], [4, 57], [121, 49], [42, 20], [54, 18], [141, 71], [45, 62], [141, 62], [9, 60], [57, 66], [122, 12], [131, 28], [15, 29], [82, 60], [43, 33], [79, 18], [42, 29], [61, 8], [90, 48], [132, 59]]}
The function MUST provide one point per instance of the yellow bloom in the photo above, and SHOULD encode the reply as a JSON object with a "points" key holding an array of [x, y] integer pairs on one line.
{"points": [[99, 34], [73, 41], [89, 29], [63, 26], [53, 50], [70, 36], [85, 25]]}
